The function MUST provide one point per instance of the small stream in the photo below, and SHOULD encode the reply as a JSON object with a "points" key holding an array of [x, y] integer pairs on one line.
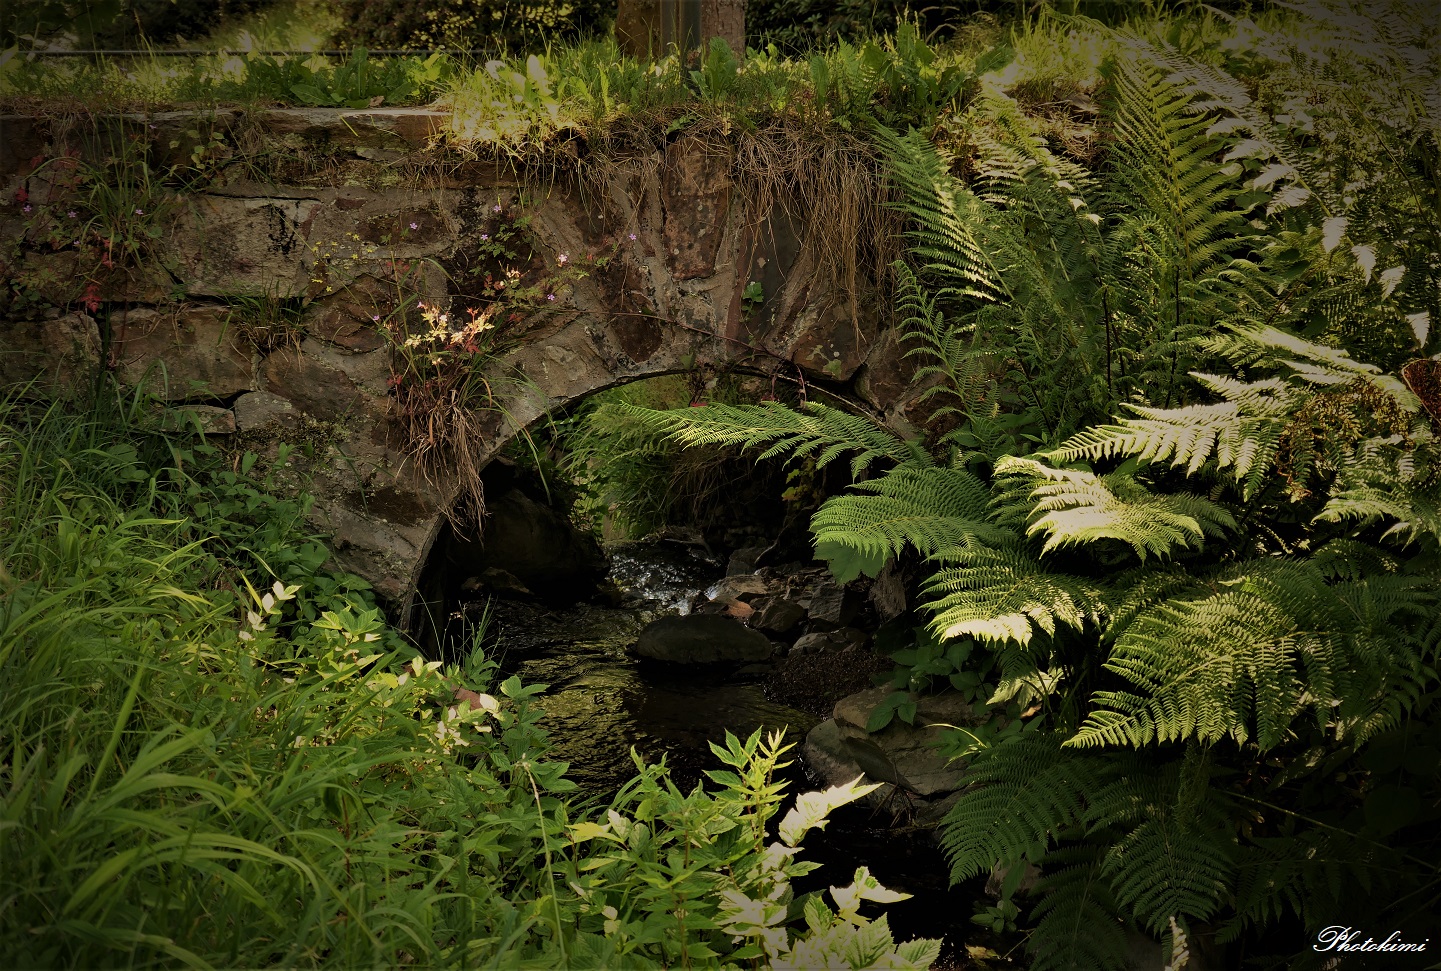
{"points": [[602, 701]]}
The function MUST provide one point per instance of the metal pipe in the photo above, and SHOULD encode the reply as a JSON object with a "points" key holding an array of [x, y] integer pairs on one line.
{"points": [[416, 52]]}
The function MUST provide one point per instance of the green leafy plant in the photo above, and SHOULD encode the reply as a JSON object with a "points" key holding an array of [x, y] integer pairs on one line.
{"points": [[357, 82]]}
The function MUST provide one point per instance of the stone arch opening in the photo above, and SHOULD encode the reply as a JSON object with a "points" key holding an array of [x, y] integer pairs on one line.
{"points": [[525, 543]]}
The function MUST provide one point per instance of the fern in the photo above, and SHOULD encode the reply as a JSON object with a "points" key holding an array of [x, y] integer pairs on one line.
{"points": [[1241, 434], [1246, 660], [1175, 860], [956, 365], [1072, 507], [944, 218], [1019, 794], [1004, 595], [1166, 152], [819, 432], [936, 511], [1077, 927]]}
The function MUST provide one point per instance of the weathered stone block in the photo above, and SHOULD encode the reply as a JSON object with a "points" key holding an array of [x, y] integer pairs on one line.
{"points": [[60, 354], [259, 409], [189, 352], [907, 753], [227, 246], [348, 319], [777, 614], [836, 640], [68, 276], [315, 387], [697, 194]]}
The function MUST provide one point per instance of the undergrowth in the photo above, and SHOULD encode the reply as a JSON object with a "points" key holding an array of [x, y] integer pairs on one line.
{"points": [[217, 754]]}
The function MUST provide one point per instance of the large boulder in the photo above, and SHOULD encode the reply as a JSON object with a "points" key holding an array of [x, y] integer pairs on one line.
{"points": [[702, 639]]}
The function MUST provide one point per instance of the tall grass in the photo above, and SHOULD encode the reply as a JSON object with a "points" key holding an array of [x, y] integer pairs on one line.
{"points": [[190, 783]]}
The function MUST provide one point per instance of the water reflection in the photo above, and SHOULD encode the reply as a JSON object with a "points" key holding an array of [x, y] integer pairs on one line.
{"points": [[602, 701]]}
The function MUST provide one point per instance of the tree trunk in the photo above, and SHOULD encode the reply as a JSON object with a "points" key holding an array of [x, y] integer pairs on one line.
{"points": [[650, 28]]}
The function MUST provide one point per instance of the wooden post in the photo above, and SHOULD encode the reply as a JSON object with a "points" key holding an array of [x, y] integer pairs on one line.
{"points": [[650, 28]]}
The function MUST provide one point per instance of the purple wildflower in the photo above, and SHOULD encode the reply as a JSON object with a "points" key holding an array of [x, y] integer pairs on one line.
{"points": [[26, 209], [415, 225], [140, 212], [484, 237], [632, 237], [71, 214], [550, 296]]}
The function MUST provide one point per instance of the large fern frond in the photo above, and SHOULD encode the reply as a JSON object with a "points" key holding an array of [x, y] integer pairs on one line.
{"points": [[1241, 434], [1171, 852], [1256, 646], [1004, 595], [1165, 152], [1077, 927], [1071, 507], [1214, 89], [936, 511], [1312, 363], [1020, 794], [777, 430], [945, 218]]}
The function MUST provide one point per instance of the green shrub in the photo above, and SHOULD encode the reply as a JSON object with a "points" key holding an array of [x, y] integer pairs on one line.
{"points": [[118, 23], [497, 26]]}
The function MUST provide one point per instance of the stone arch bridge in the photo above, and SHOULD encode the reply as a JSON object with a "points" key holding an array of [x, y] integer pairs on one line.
{"points": [[259, 302]]}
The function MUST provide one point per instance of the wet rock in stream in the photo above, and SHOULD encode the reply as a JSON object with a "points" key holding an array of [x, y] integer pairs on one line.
{"points": [[702, 639]]}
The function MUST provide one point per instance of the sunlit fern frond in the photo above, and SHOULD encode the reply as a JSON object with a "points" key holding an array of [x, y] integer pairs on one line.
{"points": [[1241, 435], [1211, 89], [1006, 595], [1165, 153], [936, 511], [946, 221], [1070, 507], [1256, 647]]}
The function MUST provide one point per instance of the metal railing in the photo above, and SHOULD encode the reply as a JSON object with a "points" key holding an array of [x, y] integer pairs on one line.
{"points": [[399, 52]]}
